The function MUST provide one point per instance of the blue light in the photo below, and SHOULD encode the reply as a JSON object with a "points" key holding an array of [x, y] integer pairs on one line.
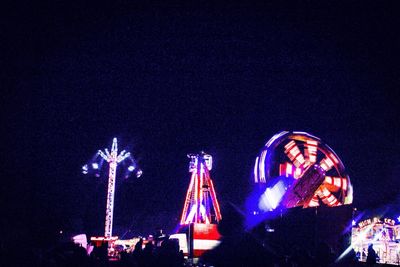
{"points": [[139, 173], [131, 168], [353, 222], [271, 198], [95, 165], [398, 219]]}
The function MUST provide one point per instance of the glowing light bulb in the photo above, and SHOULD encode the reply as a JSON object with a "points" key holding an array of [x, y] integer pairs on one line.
{"points": [[131, 168], [95, 165]]}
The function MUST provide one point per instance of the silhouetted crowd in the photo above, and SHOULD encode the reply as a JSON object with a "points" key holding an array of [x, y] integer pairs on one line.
{"points": [[71, 254], [243, 252], [237, 248], [234, 250]]}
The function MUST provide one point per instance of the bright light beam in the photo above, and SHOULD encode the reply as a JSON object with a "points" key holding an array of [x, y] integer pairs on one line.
{"points": [[359, 239]]}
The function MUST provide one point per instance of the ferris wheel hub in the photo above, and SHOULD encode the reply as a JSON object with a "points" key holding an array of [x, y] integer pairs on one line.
{"points": [[303, 189]]}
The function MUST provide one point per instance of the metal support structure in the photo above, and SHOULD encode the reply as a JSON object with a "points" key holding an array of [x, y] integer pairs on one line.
{"points": [[113, 159], [201, 205]]}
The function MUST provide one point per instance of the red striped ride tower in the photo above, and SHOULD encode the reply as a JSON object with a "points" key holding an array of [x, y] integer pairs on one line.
{"points": [[201, 212]]}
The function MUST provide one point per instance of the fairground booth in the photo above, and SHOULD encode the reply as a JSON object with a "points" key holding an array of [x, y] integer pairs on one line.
{"points": [[384, 235]]}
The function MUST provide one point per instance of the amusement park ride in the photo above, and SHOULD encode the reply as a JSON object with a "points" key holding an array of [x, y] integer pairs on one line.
{"points": [[201, 205], [302, 192], [201, 212], [113, 159], [297, 169], [294, 169]]}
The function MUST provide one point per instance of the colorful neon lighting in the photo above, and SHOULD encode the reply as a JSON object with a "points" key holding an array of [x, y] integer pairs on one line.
{"points": [[303, 151], [338, 182], [255, 171], [270, 199], [326, 164], [287, 169], [383, 233], [294, 154], [311, 151], [201, 205], [275, 137], [261, 166], [314, 202], [327, 197]]}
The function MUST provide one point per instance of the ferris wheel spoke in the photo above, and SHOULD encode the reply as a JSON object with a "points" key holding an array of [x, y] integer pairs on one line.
{"points": [[314, 202], [326, 164], [327, 197], [288, 169], [338, 182], [294, 154], [311, 151], [329, 161]]}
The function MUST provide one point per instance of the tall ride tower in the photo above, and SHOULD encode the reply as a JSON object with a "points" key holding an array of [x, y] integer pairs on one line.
{"points": [[201, 204], [113, 159]]}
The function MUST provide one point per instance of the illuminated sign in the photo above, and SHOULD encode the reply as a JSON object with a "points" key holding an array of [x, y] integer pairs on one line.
{"points": [[376, 220]]}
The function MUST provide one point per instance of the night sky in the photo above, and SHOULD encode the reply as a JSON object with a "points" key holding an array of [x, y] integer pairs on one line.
{"points": [[171, 79]]}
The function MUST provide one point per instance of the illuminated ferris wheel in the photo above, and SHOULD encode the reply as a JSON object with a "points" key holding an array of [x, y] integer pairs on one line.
{"points": [[298, 169]]}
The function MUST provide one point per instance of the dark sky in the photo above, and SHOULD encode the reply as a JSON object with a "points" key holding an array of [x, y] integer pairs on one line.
{"points": [[169, 79]]}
